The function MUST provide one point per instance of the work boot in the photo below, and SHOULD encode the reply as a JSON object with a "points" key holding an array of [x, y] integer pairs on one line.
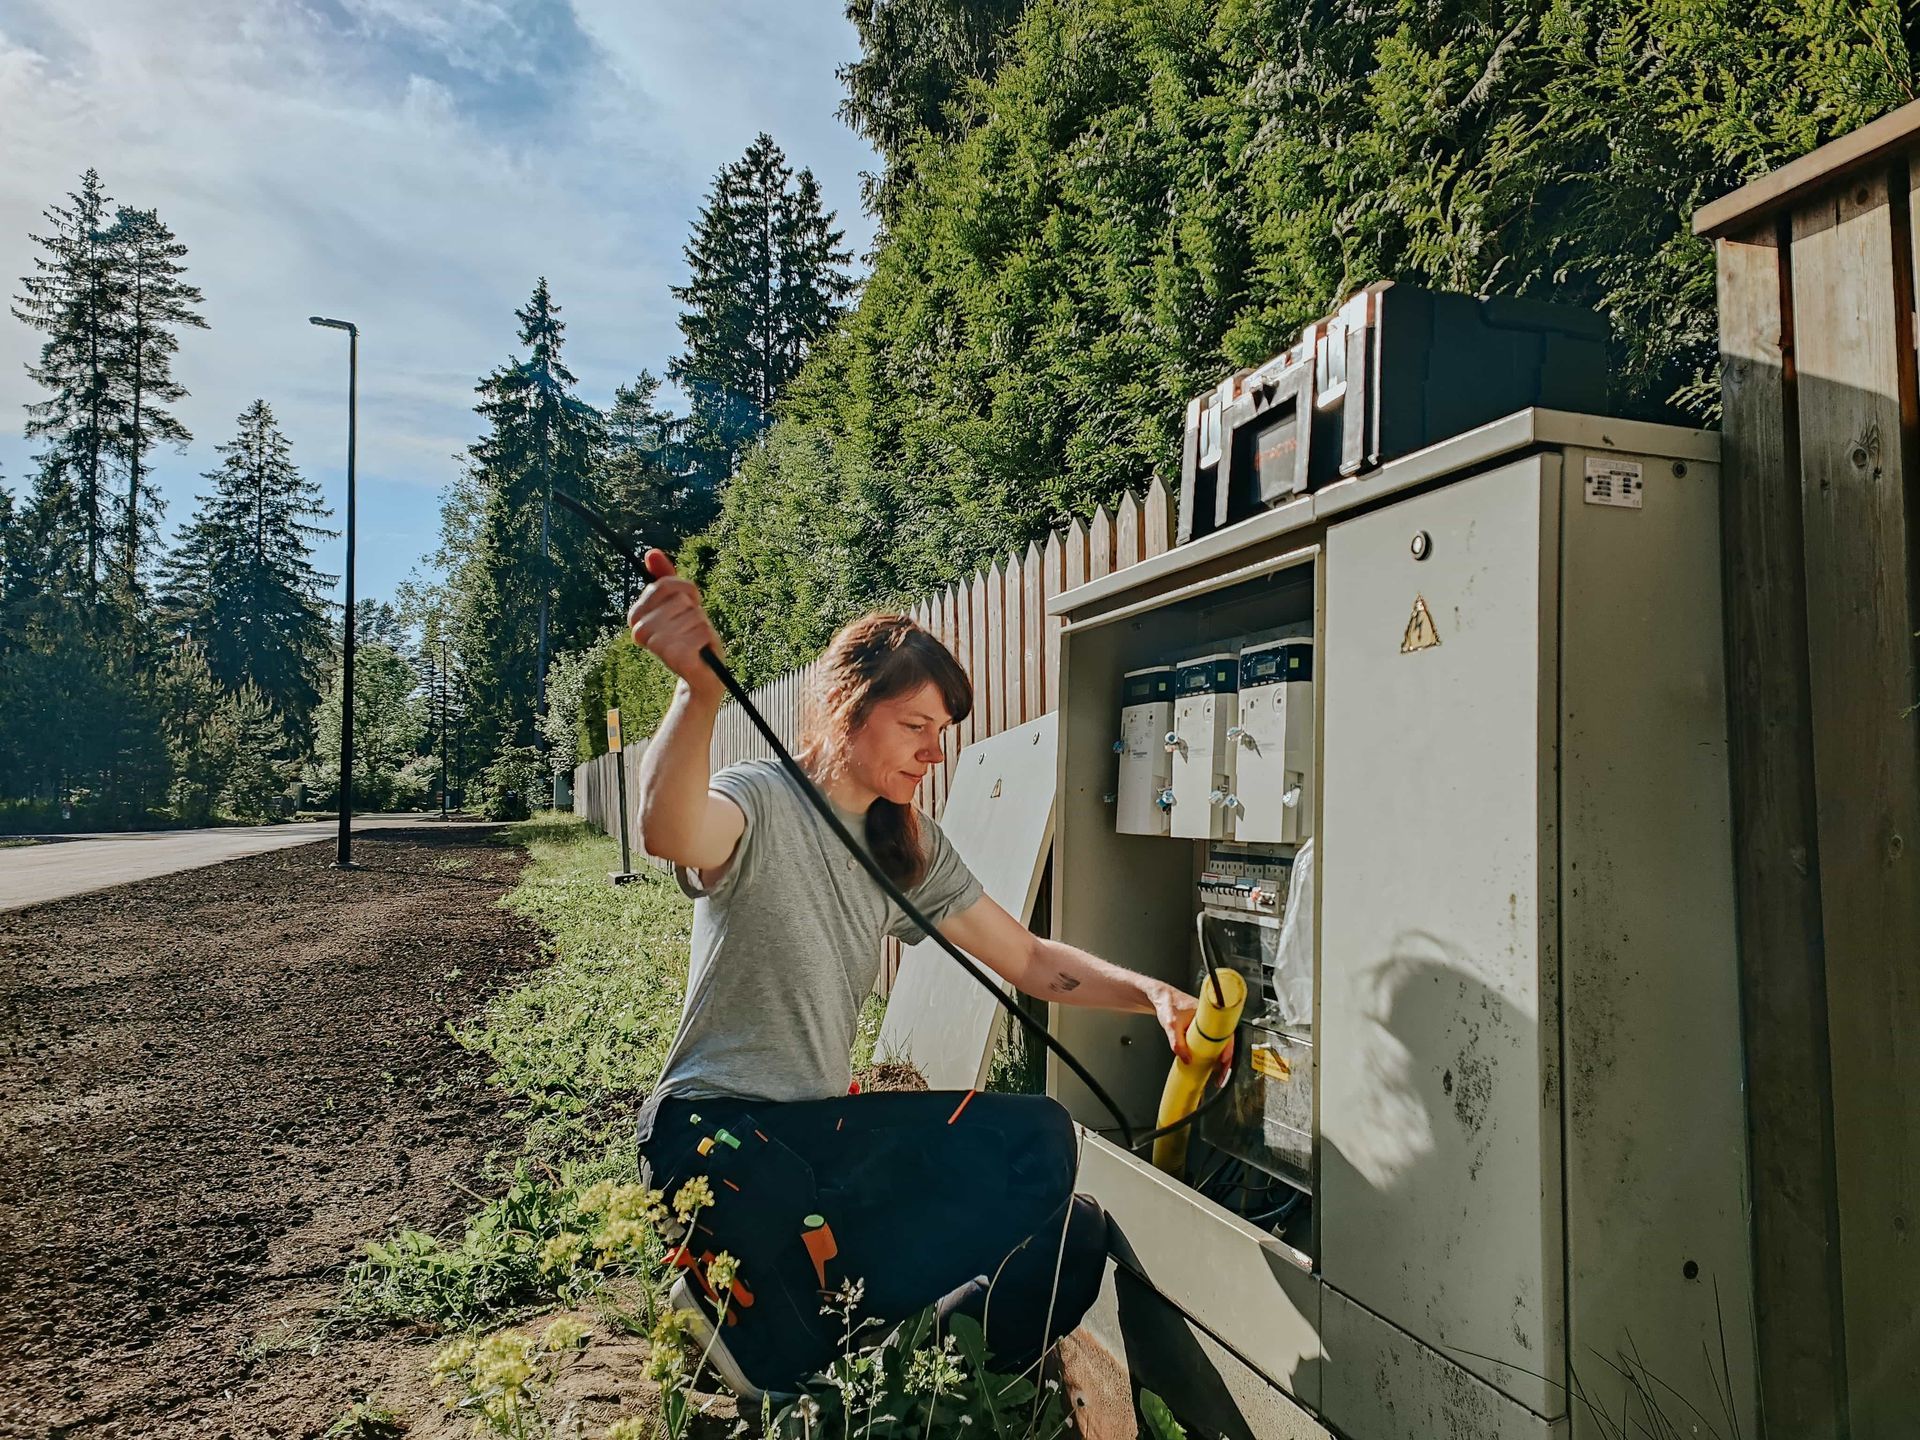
{"points": [[708, 1344]]}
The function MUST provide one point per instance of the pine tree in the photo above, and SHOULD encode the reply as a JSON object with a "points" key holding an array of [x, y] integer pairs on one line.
{"points": [[199, 745], [767, 279], [257, 770], [515, 604], [646, 485], [155, 302], [75, 297], [240, 581]]}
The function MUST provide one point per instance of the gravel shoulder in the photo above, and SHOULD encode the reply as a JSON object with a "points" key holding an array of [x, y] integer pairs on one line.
{"points": [[213, 1085]]}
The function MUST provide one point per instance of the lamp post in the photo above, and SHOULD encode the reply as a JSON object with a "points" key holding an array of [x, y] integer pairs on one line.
{"points": [[343, 858], [445, 696]]}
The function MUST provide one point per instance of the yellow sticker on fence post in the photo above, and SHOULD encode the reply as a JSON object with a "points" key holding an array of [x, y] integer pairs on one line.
{"points": [[613, 729]]}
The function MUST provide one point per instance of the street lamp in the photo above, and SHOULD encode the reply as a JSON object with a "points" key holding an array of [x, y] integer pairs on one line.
{"points": [[344, 856]]}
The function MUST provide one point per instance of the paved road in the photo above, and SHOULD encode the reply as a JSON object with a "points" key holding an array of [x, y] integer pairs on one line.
{"points": [[59, 865]]}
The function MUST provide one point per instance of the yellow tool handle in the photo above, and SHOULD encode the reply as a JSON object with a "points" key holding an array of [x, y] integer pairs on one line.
{"points": [[1208, 1034]]}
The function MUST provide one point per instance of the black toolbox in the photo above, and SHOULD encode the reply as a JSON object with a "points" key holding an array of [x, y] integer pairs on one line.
{"points": [[1395, 369]]}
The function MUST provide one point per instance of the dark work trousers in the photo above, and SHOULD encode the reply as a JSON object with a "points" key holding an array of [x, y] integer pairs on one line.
{"points": [[959, 1200]]}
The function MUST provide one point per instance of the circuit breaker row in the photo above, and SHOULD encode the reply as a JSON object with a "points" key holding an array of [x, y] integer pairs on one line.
{"points": [[1219, 746]]}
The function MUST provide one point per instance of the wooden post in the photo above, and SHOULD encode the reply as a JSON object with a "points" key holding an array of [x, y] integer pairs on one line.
{"points": [[993, 652], [1126, 533], [1822, 567], [1157, 519], [1853, 340], [1033, 652], [1053, 580], [1100, 545], [977, 665], [1796, 1243]]}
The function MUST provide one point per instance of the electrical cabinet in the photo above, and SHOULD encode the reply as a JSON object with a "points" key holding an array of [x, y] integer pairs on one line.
{"points": [[1141, 796], [1514, 1157]]}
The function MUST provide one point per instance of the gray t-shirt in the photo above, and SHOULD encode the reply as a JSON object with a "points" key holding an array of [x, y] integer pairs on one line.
{"points": [[786, 946]]}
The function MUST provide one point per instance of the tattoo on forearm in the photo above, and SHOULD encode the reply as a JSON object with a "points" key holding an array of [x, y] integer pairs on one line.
{"points": [[1064, 982]]}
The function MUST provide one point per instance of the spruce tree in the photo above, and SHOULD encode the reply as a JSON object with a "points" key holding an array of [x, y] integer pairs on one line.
{"points": [[76, 298], [257, 768], [766, 280], [646, 483], [240, 582], [155, 301], [516, 603]]}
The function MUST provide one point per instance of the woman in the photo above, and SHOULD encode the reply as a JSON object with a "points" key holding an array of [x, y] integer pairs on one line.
{"points": [[932, 1198]]}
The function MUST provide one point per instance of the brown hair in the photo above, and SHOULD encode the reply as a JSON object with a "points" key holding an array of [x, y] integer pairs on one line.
{"points": [[879, 657]]}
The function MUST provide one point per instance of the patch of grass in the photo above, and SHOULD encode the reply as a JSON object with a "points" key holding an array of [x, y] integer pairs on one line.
{"points": [[366, 1420], [579, 1043], [583, 1040], [866, 1031]]}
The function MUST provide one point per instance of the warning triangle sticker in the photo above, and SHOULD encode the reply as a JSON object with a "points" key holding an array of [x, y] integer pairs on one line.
{"points": [[1421, 632]]}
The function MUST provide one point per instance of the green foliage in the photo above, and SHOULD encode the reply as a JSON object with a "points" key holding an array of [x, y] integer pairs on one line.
{"points": [[255, 785], [581, 1042], [240, 580], [646, 478], [1148, 193], [201, 747], [503, 1260], [621, 676], [560, 721], [366, 1420], [512, 786], [108, 295], [1160, 1422], [920, 1385], [917, 57], [155, 301], [389, 725]]}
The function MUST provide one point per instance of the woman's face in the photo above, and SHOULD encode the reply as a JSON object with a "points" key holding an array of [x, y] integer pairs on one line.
{"points": [[899, 742]]}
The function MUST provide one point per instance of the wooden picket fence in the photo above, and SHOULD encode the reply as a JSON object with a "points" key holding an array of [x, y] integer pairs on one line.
{"points": [[995, 624]]}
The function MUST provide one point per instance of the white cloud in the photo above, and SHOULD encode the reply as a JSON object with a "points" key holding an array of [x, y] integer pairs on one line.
{"points": [[411, 165]]}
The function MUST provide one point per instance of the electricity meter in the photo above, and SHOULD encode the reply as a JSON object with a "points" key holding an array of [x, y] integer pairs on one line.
{"points": [[1205, 704], [1273, 743], [1146, 765]]}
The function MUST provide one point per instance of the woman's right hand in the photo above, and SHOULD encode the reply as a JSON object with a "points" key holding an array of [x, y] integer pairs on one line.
{"points": [[668, 620]]}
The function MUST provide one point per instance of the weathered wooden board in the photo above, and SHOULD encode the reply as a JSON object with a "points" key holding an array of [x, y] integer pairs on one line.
{"points": [[1853, 347], [1000, 817], [1776, 873]]}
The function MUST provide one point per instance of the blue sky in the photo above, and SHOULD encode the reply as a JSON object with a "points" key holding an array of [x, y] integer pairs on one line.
{"points": [[411, 165]]}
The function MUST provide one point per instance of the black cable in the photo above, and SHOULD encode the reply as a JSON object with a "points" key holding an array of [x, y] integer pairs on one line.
{"points": [[859, 852]]}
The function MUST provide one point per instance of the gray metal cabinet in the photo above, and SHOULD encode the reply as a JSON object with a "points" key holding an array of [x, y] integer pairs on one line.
{"points": [[1439, 996], [1529, 1141]]}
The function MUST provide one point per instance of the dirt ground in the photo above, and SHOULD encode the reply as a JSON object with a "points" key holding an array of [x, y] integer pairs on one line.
{"points": [[212, 1087]]}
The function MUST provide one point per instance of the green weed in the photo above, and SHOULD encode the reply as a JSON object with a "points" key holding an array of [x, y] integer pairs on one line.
{"points": [[365, 1420], [582, 1041]]}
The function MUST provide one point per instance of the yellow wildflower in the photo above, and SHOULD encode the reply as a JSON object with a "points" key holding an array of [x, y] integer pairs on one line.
{"points": [[595, 1198], [692, 1197], [562, 1251], [630, 1429], [721, 1270], [565, 1333]]}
